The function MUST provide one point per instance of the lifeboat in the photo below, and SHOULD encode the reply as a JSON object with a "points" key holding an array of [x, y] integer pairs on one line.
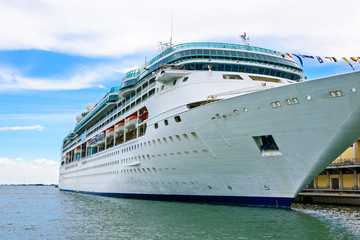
{"points": [[77, 150], [119, 128], [110, 132], [67, 157], [130, 122], [144, 115]]}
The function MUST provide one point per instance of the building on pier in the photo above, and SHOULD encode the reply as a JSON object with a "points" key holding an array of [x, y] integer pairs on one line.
{"points": [[343, 173]]}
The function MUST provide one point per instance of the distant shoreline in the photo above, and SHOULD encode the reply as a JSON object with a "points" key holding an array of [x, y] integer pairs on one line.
{"points": [[27, 185]]}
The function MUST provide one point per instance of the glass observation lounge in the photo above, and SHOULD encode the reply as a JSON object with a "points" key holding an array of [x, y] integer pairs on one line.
{"points": [[234, 57]]}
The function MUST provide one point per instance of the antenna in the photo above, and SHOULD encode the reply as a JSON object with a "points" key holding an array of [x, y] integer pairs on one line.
{"points": [[165, 46], [172, 22], [245, 39]]}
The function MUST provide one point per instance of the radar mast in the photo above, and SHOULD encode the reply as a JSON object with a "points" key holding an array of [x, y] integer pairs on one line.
{"points": [[245, 39]]}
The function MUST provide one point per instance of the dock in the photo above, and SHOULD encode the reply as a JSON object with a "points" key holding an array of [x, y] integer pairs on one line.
{"points": [[333, 197]]}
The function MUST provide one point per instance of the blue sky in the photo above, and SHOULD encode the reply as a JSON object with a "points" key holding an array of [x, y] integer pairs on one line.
{"points": [[57, 56]]}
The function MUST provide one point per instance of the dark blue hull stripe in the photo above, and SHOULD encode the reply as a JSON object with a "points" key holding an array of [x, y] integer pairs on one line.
{"points": [[231, 200]]}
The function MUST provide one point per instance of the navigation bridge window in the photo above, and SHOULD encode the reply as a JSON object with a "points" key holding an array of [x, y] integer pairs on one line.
{"points": [[267, 146]]}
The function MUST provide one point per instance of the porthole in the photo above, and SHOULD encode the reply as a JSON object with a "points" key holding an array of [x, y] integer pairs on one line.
{"points": [[194, 135], [186, 136], [156, 125], [166, 122]]}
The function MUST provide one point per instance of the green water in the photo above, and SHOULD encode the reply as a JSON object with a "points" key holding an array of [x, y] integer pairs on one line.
{"points": [[47, 213]]}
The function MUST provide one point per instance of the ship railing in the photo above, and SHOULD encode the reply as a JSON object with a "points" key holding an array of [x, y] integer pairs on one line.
{"points": [[151, 85]]}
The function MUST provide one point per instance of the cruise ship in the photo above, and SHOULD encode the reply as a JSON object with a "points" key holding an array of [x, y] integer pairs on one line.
{"points": [[212, 122]]}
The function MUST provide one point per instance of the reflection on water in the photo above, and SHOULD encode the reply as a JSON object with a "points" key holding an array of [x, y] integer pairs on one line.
{"points": [[47, 213]]}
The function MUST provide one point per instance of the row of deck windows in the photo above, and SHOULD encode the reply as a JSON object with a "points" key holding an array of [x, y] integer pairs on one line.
{"points": [[241, 68], [207, 54]]}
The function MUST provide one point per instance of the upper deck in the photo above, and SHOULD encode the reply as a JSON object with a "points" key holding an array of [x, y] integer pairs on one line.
{"points": [[196, 56], [214, 51]]}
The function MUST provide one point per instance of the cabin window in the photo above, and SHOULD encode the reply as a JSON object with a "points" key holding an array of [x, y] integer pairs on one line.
{"points": [[177, 119], [166, 122], [156, 125], [174, 82], [185, 79]]}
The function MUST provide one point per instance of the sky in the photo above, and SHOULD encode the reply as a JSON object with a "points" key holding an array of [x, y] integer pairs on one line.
{"points": [[58, 55]]}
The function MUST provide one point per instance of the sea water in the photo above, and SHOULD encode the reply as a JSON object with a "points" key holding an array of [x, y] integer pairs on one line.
{"points": [[44, 212]]}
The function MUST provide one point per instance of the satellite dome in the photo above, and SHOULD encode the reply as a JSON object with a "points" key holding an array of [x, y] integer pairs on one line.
{"points": [[89, 106], [79, 117]]}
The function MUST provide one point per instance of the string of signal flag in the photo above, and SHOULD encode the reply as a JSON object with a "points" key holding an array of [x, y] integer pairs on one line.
{"points": [[332, 59]]}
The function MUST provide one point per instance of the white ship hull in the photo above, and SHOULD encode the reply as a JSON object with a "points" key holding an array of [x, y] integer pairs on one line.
{"points": [[214, 153]]}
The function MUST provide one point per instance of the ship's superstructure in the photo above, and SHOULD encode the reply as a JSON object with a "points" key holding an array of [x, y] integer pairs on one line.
{"points": [[212, 122]]}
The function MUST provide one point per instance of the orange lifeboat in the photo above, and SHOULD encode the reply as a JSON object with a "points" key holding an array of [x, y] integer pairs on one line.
{"points": [[110, 132], [130, 122], [77, 150], [119, 128], [144, 115]]}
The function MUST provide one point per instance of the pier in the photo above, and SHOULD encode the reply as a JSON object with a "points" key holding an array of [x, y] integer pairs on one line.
{"points": [[338, 183]]}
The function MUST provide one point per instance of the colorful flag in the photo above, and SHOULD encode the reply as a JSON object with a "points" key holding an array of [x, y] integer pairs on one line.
{"points": [[289, 55], [329, 58], [354, 59], [319, 59], [348, 63], [307, 56], [301, 62], [282, 54]]}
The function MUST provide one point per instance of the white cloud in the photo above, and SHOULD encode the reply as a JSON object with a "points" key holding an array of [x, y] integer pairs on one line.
{"points": [[18, 171], [35, 127], [118, 27], [12, 79]]}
